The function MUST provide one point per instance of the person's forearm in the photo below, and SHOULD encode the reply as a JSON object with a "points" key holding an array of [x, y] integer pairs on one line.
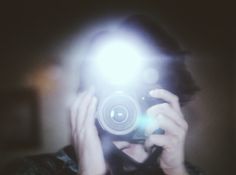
{"points": [[90, 162]]}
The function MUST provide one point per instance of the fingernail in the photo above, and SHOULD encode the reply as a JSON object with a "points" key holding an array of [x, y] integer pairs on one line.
{"points": [[152, 92], [155, 91]]}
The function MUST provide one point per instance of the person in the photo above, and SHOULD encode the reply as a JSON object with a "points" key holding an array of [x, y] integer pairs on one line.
{"points": [[93, 154]]}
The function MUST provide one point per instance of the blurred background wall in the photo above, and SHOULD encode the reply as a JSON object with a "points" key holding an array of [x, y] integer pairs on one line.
{"points": [[35, 54]]}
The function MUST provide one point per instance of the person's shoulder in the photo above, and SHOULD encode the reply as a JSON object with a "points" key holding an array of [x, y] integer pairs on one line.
{"points": [[42, 164]]}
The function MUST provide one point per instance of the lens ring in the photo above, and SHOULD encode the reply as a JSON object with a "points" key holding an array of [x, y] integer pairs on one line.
{"points": [[119, 114], [119, 126], [124, 101]]}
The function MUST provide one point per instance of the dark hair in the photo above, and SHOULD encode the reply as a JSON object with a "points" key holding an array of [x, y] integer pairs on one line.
{"points": [[174, 75]]}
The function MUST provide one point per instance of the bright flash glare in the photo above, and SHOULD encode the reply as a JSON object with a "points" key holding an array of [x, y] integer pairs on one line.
{"points": [[119, 60], [150, 124]]}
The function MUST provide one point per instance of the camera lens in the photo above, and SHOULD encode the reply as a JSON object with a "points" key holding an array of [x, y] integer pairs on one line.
{"points": [[118, 113]]}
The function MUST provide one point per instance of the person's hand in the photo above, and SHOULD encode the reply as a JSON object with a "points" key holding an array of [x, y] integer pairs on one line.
{"points": [[85, 137], [169, 117]]}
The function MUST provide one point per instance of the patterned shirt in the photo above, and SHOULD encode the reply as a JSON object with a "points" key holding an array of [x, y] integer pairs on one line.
{"points": [[62, 162]]}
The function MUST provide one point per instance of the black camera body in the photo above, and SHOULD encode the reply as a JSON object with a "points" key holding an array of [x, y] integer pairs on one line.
{"points": [[121, 114]]}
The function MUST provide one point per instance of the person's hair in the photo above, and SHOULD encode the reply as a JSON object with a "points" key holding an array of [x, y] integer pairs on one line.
{"points": [[174, 75]]}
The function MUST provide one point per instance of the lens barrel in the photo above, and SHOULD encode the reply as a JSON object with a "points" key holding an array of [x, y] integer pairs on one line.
{"points": [[118, 113]]}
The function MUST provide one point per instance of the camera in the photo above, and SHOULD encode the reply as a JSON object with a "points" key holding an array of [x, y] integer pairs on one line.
{"points": [[121, 68], [121, 115]]}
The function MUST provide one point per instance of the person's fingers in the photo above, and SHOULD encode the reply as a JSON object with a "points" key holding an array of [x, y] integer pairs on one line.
{"points": [[167, 96], [91, 112], [165, 141], [166, 124], [74, 109], [77, 100], [83, 108], [170, 127], [166, 110]]}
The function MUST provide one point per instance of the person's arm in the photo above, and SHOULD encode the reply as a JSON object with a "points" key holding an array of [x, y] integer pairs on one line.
{"points": [[85, 137], [169, 117]]}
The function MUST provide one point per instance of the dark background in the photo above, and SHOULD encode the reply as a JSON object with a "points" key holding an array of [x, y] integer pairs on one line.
{"points": [[32, 37]]}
